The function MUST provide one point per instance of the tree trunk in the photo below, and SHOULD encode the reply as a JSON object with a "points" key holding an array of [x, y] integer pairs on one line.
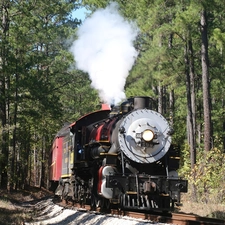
{"points": [[160, 99], [208, 138], [3, 71], [10, 128], [190, 115], [192, 103], [171, 102], [224, 137], [15, 156]]}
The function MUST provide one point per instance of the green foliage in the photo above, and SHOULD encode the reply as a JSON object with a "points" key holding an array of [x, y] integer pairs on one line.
{"points": [[207, 175], [41, 90], [185, 169], [34, 68], [78, 97]]}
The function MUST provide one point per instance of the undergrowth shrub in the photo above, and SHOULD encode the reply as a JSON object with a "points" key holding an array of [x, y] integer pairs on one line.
{"points": [[208, 175]]}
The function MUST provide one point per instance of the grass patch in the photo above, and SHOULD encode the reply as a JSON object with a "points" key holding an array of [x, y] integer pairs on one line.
{"points": [[12, 210], [15, 216], [212, 209]]}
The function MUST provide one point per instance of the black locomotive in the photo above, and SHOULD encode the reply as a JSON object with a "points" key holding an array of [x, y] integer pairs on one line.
{"points": [[121, 157]]}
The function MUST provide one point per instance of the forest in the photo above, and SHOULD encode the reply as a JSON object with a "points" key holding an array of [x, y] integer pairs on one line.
{"points": [[180, 64]]}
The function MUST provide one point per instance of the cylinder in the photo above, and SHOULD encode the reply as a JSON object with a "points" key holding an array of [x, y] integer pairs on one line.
{"points": [[96, 151]]}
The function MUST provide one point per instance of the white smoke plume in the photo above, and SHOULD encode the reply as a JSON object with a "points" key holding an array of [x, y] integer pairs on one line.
{"points": [[104, 49]]}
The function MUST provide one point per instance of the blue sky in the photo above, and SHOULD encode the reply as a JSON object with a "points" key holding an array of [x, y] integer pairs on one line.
{"points": [[79, 13]]}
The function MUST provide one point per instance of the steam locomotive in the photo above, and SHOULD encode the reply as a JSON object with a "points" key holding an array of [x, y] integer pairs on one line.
{"points": [[121, 157]]}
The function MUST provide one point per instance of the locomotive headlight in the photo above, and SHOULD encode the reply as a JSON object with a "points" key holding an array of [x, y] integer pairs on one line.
{"points": [[147, 135]]}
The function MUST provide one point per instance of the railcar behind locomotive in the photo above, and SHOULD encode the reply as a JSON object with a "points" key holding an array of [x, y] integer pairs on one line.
{"points": [[121, 157]]}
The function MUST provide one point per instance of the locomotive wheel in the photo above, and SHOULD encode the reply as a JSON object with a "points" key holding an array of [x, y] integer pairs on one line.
{"points": [[98, 202], [93, 205], [105, 203], [95, 201]]}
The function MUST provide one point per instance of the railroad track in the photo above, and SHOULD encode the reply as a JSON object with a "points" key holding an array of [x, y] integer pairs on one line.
{"points": [[176, 218], [172, 218]]}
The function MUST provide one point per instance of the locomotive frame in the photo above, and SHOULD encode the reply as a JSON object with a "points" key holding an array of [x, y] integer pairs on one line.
{"points": [[120, 158]]}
